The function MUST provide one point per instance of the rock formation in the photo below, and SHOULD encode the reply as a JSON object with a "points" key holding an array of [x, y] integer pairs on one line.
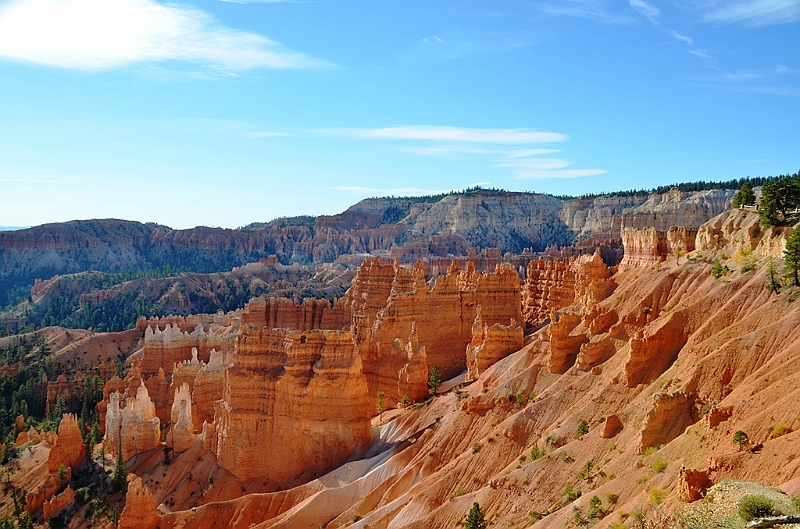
{"points": [[140, 507], [564, 344], [164, 349], [490, 344], [135, 427], [443, 314], [413, 377], [669, 415], [644, 247], [692, 484], [550, 284], [280, 313], [294, 403], [654, 349], [182, 432], [68, 449], [56, 503], [208, 388]]}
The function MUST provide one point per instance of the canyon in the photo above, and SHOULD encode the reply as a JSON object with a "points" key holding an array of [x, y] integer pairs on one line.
{"points": [[616, 379]]}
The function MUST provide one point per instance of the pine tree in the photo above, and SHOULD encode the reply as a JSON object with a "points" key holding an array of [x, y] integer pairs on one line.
{"points": [[434, 380], [745, 196], [475, 518], [792, 256], [120, 477]]}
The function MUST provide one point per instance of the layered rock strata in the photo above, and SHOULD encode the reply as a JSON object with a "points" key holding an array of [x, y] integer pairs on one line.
{"points": [[443, 313], [135, 428], [182, 433], [164, 349], [490, 344], [295, 403], [549, 284]]}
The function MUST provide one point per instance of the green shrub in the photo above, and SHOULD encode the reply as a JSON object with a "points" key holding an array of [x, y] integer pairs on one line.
{"points": [[612, 498], [657, 495], [650, 450], [596, 510], [780, 429], [718, 269], [571, 494], [755, 506], [537, 453], [749, 267], [659, 465], [475, 518], [582, 429], [741, 438]]}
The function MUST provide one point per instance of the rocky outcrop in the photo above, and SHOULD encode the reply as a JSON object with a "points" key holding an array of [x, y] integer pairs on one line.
{"points": [[612, 425], [595, 352], [35, 498], [413, 377], [208, 388], [281, 313], [135, 428], [443, 314], [740, 230], [654, 349], [564, 344], [140, 507], [644, 247], [57, 503], [164, 349], [667, 419], [62, 389], [159, 391], [693, 484], [68, 449], [67, 453], [295, 403], [490, 344], [593, 281], [549, 284], [182, 433]]}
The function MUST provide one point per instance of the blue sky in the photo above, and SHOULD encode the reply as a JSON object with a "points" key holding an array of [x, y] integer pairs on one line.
{"points": [[223, 113]]}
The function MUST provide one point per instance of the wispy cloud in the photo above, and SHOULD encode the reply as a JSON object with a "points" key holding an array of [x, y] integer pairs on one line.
{"points": [[588, 9], [648, 10], [652, 13], [451, 45], [104, 34], [512, 149], [540, 168], [453, 134], [776, 80], [263, 1], [703, 54], [751, 12]]}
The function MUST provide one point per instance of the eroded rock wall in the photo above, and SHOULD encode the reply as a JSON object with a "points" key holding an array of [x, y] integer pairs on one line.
{"points": [[295, 404]]}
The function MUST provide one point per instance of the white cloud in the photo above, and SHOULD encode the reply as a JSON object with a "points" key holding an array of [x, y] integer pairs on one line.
{"points": [[103, 34], [648, 10], [588, 9], [536, 174], [492, 148], [540, 168], [752, 12], [457, 134], [522, 153], [703, 54]]}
